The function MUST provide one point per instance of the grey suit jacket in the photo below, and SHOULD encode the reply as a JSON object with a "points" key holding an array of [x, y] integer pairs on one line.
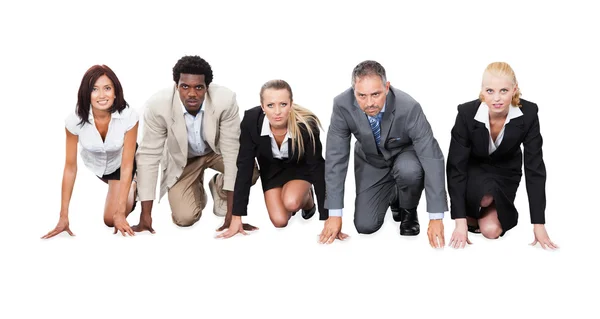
{"points": [[403, 126], [165, 138]]}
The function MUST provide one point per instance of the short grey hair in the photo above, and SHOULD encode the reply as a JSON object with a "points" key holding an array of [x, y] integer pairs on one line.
{"points": [[368, 67]]}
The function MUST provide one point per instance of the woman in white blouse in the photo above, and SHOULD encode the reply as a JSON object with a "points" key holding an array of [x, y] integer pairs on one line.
{"points": [[106, 128], [485, 160]]}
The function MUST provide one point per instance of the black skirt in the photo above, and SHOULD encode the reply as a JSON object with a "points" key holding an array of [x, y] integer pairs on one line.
{"points": [[116, 175], [482, 181], [280, 172]]}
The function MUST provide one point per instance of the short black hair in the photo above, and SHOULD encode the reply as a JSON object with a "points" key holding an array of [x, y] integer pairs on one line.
{"points": [[193, 64], [84, 96]]}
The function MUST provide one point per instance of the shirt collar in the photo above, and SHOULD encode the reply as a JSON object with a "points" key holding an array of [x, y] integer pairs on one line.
{"points": [[380, 112], [266, 129], [185, 110], [114, 115], [513, 112], [117, 115], [483, 116]]}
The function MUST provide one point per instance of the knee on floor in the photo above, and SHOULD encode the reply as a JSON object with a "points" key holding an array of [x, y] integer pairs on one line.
{"points": [[280, 222], [108, 221], [185, 220], [366, 228], [490, 231]]}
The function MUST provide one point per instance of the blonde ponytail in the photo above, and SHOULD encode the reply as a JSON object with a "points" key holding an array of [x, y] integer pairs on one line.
{"points": [[302, 116]]}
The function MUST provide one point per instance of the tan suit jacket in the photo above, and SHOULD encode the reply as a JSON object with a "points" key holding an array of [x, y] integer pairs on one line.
{"points": [[164, 122]]}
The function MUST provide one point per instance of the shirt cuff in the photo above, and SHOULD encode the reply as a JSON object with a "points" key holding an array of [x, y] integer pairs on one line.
{"points": [[336, 212], [436, 215]]}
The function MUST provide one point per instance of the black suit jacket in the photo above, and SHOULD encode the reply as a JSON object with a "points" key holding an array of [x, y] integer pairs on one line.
{"points": [[469, 146], [253, 145]]}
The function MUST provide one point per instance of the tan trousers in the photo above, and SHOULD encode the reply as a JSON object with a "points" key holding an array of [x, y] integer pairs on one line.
{"points": [[187, 197]]}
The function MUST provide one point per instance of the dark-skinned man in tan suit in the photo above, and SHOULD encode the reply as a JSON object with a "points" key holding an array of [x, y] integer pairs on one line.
{"points": [[189, 127]]}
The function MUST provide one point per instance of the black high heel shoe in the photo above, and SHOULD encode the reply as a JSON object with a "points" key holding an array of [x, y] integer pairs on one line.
{"points": [[473, 229], [307, 214]]}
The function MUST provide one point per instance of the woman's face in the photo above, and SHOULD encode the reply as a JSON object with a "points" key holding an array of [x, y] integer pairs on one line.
{"points": [[497, 92], [103, 94], [277, 105]]}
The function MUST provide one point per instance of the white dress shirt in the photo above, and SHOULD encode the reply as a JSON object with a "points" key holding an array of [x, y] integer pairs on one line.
{"points": [[102, 157], [483, 116], [278, 152], [197, 145]]}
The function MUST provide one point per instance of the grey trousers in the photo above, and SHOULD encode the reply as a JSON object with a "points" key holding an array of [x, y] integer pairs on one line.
{"points": [[404, 184]]}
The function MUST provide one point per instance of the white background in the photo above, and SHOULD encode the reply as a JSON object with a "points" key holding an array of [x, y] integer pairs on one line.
{"points": [[435, 51]]}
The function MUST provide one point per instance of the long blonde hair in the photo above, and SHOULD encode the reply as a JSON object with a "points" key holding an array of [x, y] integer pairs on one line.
{"points": [[503, 69], [298, 116]]}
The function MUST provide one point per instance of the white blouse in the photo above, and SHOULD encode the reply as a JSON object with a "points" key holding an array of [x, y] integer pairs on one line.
{"points": [[100, 157], [279, 153], [483, 116]]}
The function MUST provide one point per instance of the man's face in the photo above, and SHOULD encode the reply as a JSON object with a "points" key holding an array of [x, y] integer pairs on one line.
{"points": [[192, 89], [370, 93]]}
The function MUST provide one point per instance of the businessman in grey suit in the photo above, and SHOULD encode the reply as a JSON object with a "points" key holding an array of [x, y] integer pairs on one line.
{"points": [[395, 157]]}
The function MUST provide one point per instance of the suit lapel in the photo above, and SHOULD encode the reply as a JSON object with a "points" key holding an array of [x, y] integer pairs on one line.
{"points": [[209, 122], [265, 140], [481, 138], [293, 156], [364, 127], [480, 135], [388, 117], [512, 134], [178, 126]]}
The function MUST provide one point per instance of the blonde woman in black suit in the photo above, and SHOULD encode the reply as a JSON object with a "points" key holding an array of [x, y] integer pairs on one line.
{"points": [[485, 159], [284, 138]]}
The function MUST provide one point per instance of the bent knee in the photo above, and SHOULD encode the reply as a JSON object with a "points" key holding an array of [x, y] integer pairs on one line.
{"points": [[408, 173], [279, 219], [366, 227], [486, 200], [292, 204], [279, 223], [490, 231], [185, 220], [108, 221]]}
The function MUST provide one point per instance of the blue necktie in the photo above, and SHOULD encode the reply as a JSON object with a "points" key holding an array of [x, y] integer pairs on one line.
{"points": [[374, 121]]}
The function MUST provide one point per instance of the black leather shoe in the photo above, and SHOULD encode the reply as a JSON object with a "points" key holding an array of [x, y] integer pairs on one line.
{"points": [[307, 214], [395, 206], [409, 222]]}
